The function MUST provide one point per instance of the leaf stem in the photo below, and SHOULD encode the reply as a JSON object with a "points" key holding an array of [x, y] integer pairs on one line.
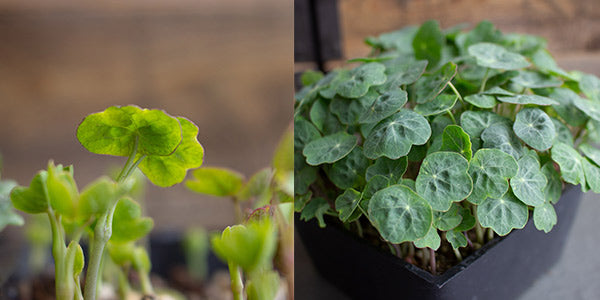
{"points": [[456, 92], [237, 286], [397, 249], [484, 81], [457, 254], [432, 261], [130, 162], [451, 117], [237, 210], [478, 229], [490, 234], [102, 233], [359, 228], [59, 252]]}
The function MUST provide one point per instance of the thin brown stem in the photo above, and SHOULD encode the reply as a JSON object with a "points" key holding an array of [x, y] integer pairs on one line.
{"points": [[432, 261]]}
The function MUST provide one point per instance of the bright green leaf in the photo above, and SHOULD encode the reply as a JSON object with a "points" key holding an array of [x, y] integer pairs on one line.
{"points": [[7, 214], [128, 223], [428, 42], [62, 191], [258, 187], [456, 140], [98, 196], [32, 199], [346, 203], [310, 77], [218, 182]]}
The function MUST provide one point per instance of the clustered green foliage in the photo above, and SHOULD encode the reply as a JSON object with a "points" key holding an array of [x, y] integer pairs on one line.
{"points": [[249, 247], [162, 146], [442, 131]]}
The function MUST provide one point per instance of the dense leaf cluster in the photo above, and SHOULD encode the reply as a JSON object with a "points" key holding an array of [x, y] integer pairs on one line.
{"points": [[440, 131]]}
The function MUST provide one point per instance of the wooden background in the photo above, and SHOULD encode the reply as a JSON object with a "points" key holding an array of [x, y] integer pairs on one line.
{"points": [[226, 65], [572, 27]]}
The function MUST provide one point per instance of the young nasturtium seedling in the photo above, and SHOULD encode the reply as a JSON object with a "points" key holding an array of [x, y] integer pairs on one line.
{"points": [[162, 146], [447, 135]]}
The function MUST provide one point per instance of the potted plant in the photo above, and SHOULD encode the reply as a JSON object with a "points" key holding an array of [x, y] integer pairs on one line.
{"points": [[433, 149]]}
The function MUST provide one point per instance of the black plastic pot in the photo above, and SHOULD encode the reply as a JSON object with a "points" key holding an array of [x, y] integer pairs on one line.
{"points": [[502, 269]]}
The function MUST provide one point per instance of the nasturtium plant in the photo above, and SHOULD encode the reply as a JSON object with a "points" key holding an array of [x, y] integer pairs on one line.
{"points": [[162, 146], [444, 137]]}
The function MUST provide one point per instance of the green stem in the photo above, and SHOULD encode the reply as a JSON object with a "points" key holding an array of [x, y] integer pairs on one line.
{"points": [[237, 286], [478, 229], [432, 261], [451, 116], [456, 92], [59, 252], [130, 162], [457, 254], [490, 234], [145, 282], [484, 81], [102, 233], [359, 228], [124, 287]]}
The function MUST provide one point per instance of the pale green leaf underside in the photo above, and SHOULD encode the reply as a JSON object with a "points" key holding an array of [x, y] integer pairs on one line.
{"points": [[529, 183], [456, 238], [399, 214], [544, 217], [535, 128], [128, 223], [443, 179], [490, 170], [394, 136], [481, 100], [329, 149], [528, 99], [503, 214], [218, 182], [496, 57], [531, 79]]}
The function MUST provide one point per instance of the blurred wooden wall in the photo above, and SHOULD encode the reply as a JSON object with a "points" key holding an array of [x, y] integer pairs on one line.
{"points": [[572, 27], [226, 65]]}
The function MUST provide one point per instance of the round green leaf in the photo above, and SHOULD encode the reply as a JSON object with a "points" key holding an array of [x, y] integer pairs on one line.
{"points": [[590, 152], [440, 104], [32, 199], [350, 110], [456, 140], [115, 130], [304, 133], [475, 122], [376, 183], [394, 136], [468, 220], [428, 42], [590, 108], [553, 188], [128, 223], [310, 77], [399, 214], [563, 133], [350, 170], [331, 82], [496, 57], [592, 175], [490, 170], [531, 79], [61, 190], [401, 71], [361, 78], [501, 136], [169, 170], [529, 183], [98, 196], [430, 240], [528, 99], [503, 214], [443, 179], [567, 109], [590, 86], [218, 182], [429, 86], [481, 100], [569, 160], [329, 149], [447, 220], [456, 238], [393, 169], [535, 128], [384, 106], [346, 203], [544, 217]]}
